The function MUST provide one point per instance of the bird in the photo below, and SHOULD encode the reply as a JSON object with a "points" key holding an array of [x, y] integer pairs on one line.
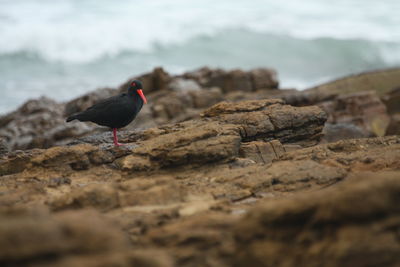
{"points": [[115, 112]]}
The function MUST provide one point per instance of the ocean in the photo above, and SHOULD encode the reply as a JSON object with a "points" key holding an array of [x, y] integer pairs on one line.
{"points": [[64, 48]]}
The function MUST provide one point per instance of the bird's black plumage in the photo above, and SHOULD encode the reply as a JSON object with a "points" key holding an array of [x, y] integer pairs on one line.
{"points": [[114, 112]]}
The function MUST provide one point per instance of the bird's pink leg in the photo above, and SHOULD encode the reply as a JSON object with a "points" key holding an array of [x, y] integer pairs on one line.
{"points": [[116, 138]]}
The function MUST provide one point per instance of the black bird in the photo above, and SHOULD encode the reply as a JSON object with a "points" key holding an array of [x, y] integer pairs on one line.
{"points": [[115, 112]]}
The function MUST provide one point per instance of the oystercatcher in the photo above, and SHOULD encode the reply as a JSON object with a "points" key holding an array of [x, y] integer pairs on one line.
{"points": [[115, 112]]}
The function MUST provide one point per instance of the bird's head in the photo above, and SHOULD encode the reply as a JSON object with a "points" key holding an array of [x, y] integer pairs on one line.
{"points": [[137, 86]]}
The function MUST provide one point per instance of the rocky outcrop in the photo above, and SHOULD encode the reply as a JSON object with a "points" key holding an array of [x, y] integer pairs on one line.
{"points": [[392, 100], [235, 80], [71, 238], [38, 123], [41, 123], [381, 81], [363, 110], [216, 137], [238, 177], [350, 106], [353, 224], [230, 187]]}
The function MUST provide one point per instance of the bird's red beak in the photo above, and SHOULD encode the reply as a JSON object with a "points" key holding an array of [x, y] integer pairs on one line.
{"points": [[140, 92]]}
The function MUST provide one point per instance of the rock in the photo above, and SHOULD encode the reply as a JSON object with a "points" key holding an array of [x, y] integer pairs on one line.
{"points": [[392, 100], [206, 77], [229, 187], [38, 123], [364, 110], [264, 79], [197, 240], [235, 80], [180, 84], [260, 151], [187, 205], [103, 197], [342, 131], [206, 98], [144, 192], [215, 137], [3, 147], [381, 81], [349, 225], [394, 125], [245, 106], [44, 239], [270, 119], [156, 80], [196, 142]]}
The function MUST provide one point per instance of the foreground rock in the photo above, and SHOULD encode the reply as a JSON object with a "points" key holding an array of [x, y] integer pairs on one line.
{"points": [[246, 183], [352, 224]]}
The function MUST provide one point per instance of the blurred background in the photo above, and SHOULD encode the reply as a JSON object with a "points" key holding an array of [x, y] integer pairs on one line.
{"points": [[65, 48]]}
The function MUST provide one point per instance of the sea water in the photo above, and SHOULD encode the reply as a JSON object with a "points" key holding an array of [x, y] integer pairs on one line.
{"points": [[65, 48]]}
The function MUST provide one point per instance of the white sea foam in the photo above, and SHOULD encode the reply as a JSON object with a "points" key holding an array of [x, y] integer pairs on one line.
{"points": [[65, 48], [86, 30]]}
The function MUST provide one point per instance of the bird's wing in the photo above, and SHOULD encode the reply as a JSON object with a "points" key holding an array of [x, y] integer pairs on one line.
{"points": [[106, 103], [105, 108]]}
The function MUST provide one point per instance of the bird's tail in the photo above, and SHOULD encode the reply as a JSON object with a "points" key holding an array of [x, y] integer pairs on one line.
{"points": [[71, 118]]}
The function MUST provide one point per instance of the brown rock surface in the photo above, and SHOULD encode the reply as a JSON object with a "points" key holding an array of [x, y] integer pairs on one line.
{"points": [[241, 182], [363, 109], [234, 80], [179, 195], [355, 223], [40, 123]]}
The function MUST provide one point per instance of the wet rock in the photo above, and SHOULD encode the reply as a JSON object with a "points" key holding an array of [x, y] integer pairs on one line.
{"points": [[348, 225]]}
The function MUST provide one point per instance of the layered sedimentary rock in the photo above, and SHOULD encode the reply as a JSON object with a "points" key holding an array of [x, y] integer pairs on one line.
{"points": [[232, 187], [352, 224], [239, 177], [40, 123]]}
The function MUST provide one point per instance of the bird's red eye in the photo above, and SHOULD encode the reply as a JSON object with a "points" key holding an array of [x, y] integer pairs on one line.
{"points": [[133, 84]]}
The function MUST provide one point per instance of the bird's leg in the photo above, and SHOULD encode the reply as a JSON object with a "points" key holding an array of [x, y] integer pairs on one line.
{"points": [[116, 138]]}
